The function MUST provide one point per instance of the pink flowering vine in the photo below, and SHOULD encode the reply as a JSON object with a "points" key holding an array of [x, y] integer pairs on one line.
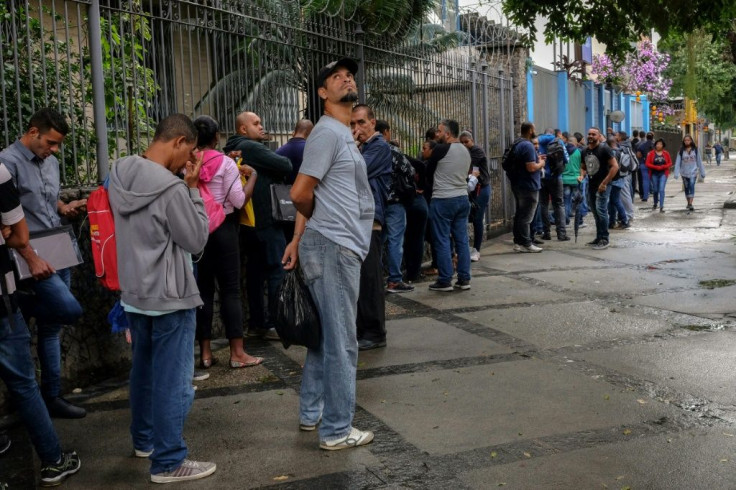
{"points": [[640, 71]]}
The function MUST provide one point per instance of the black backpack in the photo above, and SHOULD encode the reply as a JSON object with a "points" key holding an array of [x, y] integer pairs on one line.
{"points": [[403, 186], [556, 156], [508, 160]]}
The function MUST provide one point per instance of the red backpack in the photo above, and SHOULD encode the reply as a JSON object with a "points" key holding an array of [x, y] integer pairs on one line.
{"points": [[102, 233]]}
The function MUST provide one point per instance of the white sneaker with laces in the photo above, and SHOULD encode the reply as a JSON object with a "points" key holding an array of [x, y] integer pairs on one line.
{"points": [[189, 470], [474, 255], [354, 439]]}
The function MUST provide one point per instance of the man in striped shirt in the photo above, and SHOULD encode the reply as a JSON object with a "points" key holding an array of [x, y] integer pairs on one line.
{"points": [[16, 366]]}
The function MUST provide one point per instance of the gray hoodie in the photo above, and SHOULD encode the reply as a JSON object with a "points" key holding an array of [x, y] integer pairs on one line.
{"points": [[159, 222]]}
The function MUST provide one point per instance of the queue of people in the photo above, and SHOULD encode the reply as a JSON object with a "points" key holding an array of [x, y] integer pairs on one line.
{"points": [[183, 228]]}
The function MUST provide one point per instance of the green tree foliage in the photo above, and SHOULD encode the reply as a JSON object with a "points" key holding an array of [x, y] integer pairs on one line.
{"points": [[41, 69], [702, 68], [618, 23]]}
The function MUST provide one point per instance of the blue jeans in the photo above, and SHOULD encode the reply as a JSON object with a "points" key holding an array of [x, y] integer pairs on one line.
{"points": [[52, 305], [718, 158], [332, 273], [161, 392], [598, 202], [616, 208], [393, 235], [18, 372], [481, 200], [526, 206], [645, 181], [688, 184], [658, 181], [450, 217]]}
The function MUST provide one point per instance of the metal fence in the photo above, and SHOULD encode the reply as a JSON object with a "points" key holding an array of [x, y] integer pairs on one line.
{"points": [[546, 110], [576, 106], [116, 67]]}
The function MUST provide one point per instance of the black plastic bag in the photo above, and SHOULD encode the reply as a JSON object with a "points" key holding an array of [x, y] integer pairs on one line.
{"points": [[297, 319]]}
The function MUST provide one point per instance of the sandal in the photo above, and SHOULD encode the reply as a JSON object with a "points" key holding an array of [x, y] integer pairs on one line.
{"points": [[207, 363], [238, 364]]}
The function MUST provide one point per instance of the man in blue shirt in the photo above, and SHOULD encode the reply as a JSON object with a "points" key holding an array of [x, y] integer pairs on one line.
{"points": [[294, 151], [525, 184], [294, 148], [552, 188], [36, 175], [379, 163]]}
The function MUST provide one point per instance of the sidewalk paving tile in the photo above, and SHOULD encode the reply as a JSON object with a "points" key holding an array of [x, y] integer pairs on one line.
{"points": [[687, 460], [706, 302], [485, 291], [700, 365], [455, 410], [253, 439], [622, 251], [549, 259], [568, 324], [415, 340], [624, 281]]}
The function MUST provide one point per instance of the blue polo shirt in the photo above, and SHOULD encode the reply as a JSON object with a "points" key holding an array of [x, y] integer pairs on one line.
{"points": [[38, 183]]}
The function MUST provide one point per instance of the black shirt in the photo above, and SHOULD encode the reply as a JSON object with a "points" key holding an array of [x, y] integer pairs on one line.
{"points": [[596, 163], [478, 159]]}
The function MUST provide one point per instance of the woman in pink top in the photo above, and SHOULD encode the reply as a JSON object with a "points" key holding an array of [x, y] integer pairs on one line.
{"points": [[220, 260]]}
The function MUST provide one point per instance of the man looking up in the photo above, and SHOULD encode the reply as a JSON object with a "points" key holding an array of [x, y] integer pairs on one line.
{"points": [[36, 174], [332, 192], [600, 164], [160, 222]]}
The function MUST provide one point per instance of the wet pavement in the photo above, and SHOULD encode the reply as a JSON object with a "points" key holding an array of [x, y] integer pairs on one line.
{"points": [[572, 368]]}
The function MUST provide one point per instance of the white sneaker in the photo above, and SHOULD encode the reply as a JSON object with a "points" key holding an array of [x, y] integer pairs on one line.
{"points": [[517, 247], [354, 439], [189, 470], [139, 453], [531, 249], [474, 255]]}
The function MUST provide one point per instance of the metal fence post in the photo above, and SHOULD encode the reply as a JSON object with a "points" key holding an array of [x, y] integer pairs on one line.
{"points": [[504, 142], [98, 90], [486, 145], [473, 100], [360, 53]]}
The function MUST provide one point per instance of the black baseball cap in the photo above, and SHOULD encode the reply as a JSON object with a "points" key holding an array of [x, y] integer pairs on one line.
{"points": [[330, 68]]}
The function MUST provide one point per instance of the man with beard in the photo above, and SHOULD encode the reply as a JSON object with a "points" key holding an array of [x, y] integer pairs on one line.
{"points": [[447, 168], [600, 164], [332, 236]]}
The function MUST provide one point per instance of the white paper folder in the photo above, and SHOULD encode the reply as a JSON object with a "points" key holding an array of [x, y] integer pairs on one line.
{"points": [[57, 246]]}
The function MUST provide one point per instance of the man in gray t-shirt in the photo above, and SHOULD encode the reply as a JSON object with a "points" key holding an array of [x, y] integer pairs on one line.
{"points": [[332, 192], [447, 168]]}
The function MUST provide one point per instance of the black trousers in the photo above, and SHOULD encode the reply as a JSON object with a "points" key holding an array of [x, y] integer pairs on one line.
{"points": [[221, 262], [264, 250], [416, 224], [371, 320]]}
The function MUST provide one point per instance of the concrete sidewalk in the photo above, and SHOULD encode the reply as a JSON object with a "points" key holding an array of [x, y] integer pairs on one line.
{"points": [[572, 368]]}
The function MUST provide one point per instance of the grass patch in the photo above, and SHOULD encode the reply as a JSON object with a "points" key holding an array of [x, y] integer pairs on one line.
{"points": [[717, 283]]}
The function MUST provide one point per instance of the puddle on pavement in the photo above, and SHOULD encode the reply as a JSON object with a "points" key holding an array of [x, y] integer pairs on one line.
{"points": [[717, 283]]}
